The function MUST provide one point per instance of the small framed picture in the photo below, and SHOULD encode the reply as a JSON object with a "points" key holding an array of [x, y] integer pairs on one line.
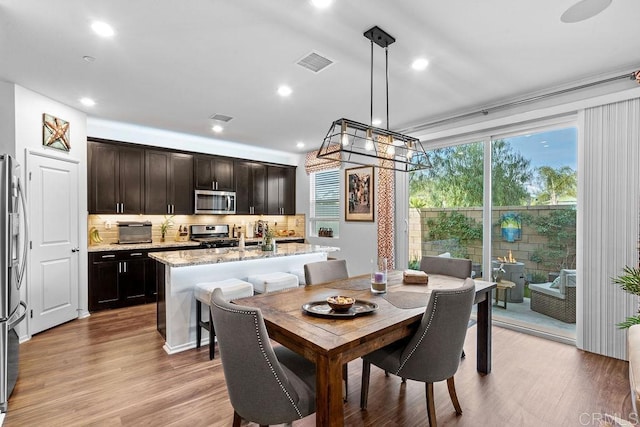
{"points": [[359, 190], [55, 132]]}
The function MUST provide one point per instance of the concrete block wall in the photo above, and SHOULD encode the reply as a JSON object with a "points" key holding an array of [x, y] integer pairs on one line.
{"points": [[420, 245]]}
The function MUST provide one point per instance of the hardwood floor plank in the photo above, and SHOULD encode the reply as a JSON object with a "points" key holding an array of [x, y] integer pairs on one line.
{"points": [[110, 370]]}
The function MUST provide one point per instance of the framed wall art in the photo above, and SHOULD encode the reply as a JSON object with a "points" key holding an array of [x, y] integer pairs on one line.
{"points": [[359, 190], [55, 132]]}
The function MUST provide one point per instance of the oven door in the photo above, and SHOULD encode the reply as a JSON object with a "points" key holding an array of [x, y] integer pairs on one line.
{"points": [[215, 202]]}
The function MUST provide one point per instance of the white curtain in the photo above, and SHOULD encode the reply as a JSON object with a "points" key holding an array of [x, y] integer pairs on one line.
{"points": [[608, 216]]}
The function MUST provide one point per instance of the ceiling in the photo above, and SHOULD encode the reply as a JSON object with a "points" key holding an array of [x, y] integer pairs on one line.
{"points": [[172, 63]]}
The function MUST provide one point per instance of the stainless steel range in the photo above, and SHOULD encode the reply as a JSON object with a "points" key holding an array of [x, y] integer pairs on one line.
{"points": [[213, 236]]}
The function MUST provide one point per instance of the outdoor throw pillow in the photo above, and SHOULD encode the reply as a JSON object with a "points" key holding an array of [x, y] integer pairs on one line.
{"points": [[556, 283]]}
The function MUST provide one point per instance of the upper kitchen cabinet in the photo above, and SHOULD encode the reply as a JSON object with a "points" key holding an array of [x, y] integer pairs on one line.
{"points": [[116, 178], [251, 187], [213, 173], [281, 190], [168, 183]]}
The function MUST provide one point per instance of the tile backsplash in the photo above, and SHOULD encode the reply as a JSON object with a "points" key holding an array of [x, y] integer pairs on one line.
{"points": [[107, 225]]}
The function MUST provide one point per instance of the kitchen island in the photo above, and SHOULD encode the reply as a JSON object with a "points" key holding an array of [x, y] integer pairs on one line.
{"points": [[177, 273]]}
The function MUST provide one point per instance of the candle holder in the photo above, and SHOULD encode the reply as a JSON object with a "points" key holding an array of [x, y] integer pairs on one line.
{"points": [[379, 276]]}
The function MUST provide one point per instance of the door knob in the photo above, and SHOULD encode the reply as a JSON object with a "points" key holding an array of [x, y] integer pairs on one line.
{"points": [[75, 249]]}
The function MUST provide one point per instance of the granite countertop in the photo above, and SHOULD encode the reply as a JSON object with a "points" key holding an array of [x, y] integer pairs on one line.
{"points": [[110, 247], [220, 255]]}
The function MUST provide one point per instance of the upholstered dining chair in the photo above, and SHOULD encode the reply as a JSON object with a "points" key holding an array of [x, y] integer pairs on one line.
{"points": [[432, 354], [323, 272], [266, 385], [454, 267]]}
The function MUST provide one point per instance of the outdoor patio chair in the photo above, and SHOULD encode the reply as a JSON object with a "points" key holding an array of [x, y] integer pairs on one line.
{"points": [[556, 299]]}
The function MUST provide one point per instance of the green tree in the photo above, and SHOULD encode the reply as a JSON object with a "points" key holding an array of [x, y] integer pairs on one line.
{"points": [[456, 178], [559, 227], [556, 183]]}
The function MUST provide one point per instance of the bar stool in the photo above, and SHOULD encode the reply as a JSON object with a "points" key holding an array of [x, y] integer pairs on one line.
{"points": [[300, 274], [271, 282], [231, 289]]}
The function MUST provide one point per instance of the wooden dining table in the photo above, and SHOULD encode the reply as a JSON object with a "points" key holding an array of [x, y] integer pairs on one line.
{"points": [[331, 342]]}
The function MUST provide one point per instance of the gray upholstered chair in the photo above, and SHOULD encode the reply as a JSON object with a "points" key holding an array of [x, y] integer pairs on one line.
{"points": [[266, 385], [432, 354], [323, 272], [455, 267]]}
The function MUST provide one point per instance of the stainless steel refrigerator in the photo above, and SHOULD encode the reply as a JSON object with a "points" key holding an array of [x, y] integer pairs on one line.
{"points": [[13, 250]]}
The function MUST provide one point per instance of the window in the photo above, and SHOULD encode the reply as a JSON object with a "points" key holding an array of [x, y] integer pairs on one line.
{"points": [[325, 202]]}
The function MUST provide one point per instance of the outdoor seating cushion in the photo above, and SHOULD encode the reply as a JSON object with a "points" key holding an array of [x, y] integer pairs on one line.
{"points": [[567, 278], [546, 288]]}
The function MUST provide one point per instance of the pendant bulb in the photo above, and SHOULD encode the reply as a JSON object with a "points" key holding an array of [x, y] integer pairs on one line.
{"points": [[368, 145], [344, 136]]}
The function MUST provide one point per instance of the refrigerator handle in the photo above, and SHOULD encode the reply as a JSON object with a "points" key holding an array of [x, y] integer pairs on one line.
{"points": [[23, 267], [12, 324]]}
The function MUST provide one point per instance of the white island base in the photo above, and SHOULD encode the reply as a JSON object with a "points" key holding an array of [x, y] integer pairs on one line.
{"points": [[176, 281]]}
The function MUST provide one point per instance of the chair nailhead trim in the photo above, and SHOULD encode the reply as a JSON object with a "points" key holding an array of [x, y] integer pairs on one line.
{"points": [[264, 354], [435, 303]]}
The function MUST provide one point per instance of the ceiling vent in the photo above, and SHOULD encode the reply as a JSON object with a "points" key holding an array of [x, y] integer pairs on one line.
{"points": [[221, 118], [314, 62]]}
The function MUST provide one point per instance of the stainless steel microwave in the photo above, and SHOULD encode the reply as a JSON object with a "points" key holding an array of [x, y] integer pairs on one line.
{"points": [[213, 202]]}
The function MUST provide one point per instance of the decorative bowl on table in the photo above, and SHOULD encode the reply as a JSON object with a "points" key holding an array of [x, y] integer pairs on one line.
{"points": [[340, 303]]}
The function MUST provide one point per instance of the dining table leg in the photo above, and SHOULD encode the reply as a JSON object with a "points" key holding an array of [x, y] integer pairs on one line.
{"points": [[484, 334], [329, 401]]}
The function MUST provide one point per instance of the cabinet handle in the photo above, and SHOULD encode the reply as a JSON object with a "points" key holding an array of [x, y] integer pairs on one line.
{"points": [[125, 266], [119, 267], [117, 207], [121, 207], [173, 209], [108, 256], [136, 254], [213, 185]]}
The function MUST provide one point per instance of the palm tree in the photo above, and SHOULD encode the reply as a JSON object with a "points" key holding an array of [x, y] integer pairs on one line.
{"points": [[560, 182]]}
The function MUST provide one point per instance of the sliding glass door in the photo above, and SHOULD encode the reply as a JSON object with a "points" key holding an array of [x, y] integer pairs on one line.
{"points": [[522, 217]]}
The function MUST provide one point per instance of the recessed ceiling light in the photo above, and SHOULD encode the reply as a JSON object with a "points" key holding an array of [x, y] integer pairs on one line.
{"points": [[87, 102], [321, 4], [217, 128], [284, 90], [102, 29], [376, 122], [300, 145], [420, 64], [584, 10]]}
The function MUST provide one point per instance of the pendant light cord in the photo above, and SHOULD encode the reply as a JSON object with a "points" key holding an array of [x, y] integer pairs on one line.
{"points": [[386, 72], [371, 97]]}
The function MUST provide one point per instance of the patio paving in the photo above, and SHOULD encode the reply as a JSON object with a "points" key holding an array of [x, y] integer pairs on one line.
{"points": [[520, 317]]}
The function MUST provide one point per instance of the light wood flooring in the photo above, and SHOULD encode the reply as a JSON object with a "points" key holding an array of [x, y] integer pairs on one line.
{"points": [[110, 370]]}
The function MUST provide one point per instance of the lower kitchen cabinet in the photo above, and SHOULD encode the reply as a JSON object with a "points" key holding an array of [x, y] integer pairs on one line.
{"points": [[118, 279], [123, 278]]}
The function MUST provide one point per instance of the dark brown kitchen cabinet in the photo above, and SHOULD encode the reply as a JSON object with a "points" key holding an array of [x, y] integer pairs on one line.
{"points": [[281, 190], [119, 279], [116, 179], [251, 187], [213, 173], [168, 183]]}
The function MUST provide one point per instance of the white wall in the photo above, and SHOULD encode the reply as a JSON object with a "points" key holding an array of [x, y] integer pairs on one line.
{"points": [[7, 119], [358, 241], [29, 107]]}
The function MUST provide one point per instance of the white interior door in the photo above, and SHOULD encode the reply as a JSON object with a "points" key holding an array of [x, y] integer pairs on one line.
{"points": [[53, 220]]}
